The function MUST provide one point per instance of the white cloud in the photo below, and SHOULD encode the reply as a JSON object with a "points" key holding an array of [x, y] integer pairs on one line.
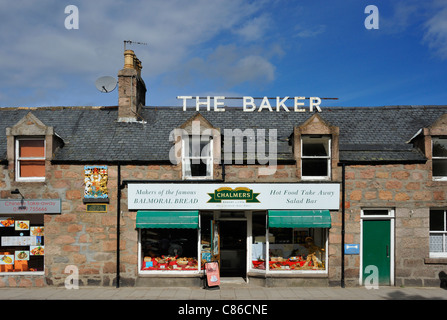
{"points": [[436, 32], [310, 32], [253, 68], [228, 66], [39, 52], [404, 14], [254, 29]]}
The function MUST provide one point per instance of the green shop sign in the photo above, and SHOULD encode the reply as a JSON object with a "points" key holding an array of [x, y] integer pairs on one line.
{"points": [[239, 193]]}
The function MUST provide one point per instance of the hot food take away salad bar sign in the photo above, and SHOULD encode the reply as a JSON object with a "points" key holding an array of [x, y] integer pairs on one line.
{"points": [[203, 196]]}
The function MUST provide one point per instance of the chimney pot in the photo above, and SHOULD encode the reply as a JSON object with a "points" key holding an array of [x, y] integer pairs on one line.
{"points": [[129, 57]]}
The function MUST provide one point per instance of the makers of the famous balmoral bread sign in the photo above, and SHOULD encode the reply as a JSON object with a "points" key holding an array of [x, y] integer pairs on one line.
{"points": [[249, 105]]}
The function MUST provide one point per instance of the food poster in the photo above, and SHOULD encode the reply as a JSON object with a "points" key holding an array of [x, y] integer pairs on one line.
{"points": [[21, 255], [7, 259], [22, 225], [6, 222], [37, 231], [37, 250]]}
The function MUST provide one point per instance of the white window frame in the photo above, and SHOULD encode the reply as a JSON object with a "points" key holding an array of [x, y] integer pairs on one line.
{"points": [[389, 215], [437, 178], [172, 272], [267, 271], [18, 159], [207, 159], [444, 237], [328, 157]]}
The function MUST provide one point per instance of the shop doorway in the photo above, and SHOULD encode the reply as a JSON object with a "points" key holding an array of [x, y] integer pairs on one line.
{"points": [[377, 247], [233, 248]]}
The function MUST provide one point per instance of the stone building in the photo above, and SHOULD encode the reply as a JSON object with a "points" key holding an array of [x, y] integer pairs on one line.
{"points": [[136, 195]]}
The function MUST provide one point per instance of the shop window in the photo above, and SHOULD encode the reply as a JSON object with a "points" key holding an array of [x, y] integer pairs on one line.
{"points": [[258, 251], [206, 221], [30, 159], [295, 249], [22, 243], [438, 233], [315, 157], [169, 249], [439, 157], [197, 157]]}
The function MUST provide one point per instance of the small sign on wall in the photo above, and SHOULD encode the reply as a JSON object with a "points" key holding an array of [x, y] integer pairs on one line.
{"points": [[96, 207], [352, 248]]}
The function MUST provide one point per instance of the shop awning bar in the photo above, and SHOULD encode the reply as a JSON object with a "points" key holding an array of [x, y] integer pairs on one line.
{"points": [[299, 219], [168, 219]]}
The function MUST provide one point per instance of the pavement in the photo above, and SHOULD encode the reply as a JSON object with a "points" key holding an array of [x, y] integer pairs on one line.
{"points": [[230, 291]]}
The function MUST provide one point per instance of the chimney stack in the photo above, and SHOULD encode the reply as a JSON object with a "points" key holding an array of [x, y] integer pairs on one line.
{"points": [[131, 89]]}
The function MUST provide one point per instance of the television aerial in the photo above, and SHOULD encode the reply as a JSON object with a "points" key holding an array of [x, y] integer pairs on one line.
{"points": [[106, 84], [133, 42]]}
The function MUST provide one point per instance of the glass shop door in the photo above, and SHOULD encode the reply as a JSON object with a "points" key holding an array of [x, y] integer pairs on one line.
{"points": [[233, 248]]}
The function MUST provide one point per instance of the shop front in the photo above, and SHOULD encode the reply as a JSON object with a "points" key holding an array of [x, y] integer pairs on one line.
{"points": [[255, 232], [22, 234]]}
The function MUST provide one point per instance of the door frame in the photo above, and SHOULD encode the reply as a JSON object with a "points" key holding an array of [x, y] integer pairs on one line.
{"points": [[245, 218], [389, 217]]}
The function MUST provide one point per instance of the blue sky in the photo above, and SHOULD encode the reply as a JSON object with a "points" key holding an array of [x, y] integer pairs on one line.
{"points": [[226, 48]]}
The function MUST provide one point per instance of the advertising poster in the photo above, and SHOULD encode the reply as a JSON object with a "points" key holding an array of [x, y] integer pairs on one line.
{"points": [[212, 274]]}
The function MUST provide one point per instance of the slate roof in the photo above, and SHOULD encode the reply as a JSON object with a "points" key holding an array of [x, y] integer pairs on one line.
{"points": [[93, 135]]}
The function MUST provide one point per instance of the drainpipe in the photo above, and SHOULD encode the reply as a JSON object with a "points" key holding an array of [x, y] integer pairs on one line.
{"points": [[118, 215], [343, 227]]}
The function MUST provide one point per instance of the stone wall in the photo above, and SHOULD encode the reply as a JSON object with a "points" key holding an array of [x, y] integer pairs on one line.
{"points": [[88, 240], [73, 237], [408, 190]]}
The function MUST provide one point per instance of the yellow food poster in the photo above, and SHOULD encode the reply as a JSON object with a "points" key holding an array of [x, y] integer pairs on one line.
{"points": [[22, 225], [7, 259]]}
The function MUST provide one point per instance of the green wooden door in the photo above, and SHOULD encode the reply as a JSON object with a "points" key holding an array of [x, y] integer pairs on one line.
{"points": [[377, 249]]}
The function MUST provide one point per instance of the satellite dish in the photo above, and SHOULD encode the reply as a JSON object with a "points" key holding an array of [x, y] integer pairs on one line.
{"points": [[106, 84]]}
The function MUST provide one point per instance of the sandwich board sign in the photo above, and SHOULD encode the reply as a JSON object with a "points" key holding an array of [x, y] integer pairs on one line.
{"points": [[212, 275]]}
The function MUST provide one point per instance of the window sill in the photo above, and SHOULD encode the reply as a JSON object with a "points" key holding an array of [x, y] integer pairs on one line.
{"points": [[23, 273], [170, 273], [198, 178], [30, 180], [441, 260], [315, 178], [287, 274]]}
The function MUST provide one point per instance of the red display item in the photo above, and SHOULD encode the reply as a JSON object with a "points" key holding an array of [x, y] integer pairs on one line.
{"points": [[258, 264], [173, 264], [286, 263]]}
